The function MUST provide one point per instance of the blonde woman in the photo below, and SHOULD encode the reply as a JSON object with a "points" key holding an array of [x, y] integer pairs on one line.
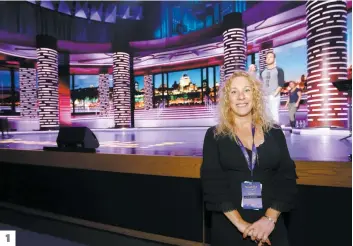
{"points": [[247, 174], [253, 70]]}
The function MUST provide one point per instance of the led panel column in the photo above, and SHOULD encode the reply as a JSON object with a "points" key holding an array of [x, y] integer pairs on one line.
{"points": [[28, 92], [103, 90], [121, 89], [148, 93], [234, 44], [327, 62], [48, 96], [234, 50]]}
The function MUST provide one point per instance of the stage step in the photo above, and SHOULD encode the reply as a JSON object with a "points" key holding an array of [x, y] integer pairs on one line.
{"points": [[195, 112]]}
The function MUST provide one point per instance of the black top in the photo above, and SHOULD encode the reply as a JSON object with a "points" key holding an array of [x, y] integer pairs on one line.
{"points": [[224, 168], [293, 95]]}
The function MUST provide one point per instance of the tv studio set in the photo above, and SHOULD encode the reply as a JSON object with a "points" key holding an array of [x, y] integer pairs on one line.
{"points": [[142, 122]]}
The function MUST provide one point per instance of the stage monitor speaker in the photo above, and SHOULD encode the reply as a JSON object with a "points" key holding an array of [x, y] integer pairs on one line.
{"points": [[76, 137]]}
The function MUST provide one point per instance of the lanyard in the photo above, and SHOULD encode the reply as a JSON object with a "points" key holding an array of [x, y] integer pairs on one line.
{"points": [[252, 162]]}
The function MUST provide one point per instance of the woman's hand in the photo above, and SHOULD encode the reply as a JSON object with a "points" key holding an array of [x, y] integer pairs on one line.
{"points": [[260, 230], [242, 225]]}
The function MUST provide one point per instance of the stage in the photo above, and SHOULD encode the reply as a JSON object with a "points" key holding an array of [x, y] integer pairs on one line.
{"points": [[139, 175], [303, 144], [144, 183]]}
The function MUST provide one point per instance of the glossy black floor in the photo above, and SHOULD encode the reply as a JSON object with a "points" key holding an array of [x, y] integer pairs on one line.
{"points": [[38, 231]]}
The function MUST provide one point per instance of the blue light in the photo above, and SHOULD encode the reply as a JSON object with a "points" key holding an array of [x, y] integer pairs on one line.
{"points": [[349, 39], [178, 18]]}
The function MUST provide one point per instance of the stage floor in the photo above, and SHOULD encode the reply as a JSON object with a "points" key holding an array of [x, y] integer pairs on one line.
{"points": [[184, 142]]}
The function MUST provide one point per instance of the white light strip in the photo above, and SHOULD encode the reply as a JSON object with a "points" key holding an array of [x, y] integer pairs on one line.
{"points": [[321, 109], [332, 119], [330, 27], [324, 94], [16, 55]]}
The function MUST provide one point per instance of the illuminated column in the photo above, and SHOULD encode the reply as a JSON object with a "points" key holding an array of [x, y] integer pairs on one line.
{"points": [[47, 73], [103, 90], [234, 44], [265, 47], [121, 89], [327, 62], [28, 90], [148, 93]]}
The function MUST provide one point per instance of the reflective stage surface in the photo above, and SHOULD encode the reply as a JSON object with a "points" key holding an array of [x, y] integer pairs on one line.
{"points": [[184, 142]]}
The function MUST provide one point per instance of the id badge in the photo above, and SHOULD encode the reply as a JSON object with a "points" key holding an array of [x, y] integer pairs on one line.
{"points": [[251, 195]]}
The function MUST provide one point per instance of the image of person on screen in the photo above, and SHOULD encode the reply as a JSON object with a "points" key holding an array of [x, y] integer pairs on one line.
{"points": [[245, 154], [253, 70], [293, 101], [273, 81]]}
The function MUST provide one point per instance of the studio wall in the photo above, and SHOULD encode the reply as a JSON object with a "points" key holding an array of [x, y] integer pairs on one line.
{"points": [[184, 83]]}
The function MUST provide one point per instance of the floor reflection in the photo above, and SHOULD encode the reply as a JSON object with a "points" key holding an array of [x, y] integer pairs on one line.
{"points": [[182, 142]]}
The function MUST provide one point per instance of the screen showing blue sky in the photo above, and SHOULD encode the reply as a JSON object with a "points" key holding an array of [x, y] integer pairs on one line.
{"points": [[17, 80], [157, 80], [349, 39], [248, 62], [211, 75], [194, 75], [5, 79], [218, 74], [86, 81], [139, 80], [292, 59]]}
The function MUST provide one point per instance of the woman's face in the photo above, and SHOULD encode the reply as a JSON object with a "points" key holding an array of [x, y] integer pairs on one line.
{"points": [[241, 96], [252, 68]]}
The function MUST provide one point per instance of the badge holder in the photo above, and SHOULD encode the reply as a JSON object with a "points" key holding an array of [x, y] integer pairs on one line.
{"points": [[251, 191]]}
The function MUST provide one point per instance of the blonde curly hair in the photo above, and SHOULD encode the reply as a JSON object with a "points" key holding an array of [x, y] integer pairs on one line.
{"points": [[260, 118]]}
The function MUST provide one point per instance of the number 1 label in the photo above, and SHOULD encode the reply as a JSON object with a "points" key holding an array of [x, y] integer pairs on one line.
{"points": [[7, 238]]}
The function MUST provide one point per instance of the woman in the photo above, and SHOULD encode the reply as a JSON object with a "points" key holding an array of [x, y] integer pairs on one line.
{"points": [[294, 97], [253, 70], [246, 205]]}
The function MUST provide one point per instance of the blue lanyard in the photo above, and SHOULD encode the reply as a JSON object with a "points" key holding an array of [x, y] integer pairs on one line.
{"points": [[252, 162]]}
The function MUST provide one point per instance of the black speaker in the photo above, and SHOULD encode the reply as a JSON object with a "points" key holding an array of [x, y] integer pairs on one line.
{"points": [[76, 137]]}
